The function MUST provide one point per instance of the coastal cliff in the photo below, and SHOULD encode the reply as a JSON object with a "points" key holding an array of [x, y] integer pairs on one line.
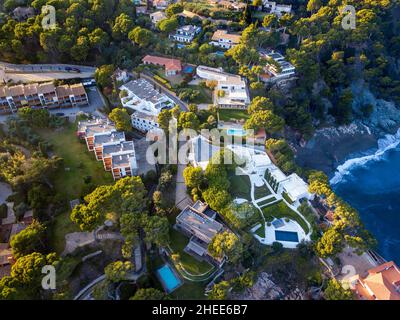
{"points": [[331, 146]]}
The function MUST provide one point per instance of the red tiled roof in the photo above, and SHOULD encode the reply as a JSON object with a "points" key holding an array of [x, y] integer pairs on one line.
{"points": [[383, 282], [169, 64]]}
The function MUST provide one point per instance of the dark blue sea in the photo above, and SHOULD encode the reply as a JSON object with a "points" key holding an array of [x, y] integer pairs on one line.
{"points": [[371, 184]]}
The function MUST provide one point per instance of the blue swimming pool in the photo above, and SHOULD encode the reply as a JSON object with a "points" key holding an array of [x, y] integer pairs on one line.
{"points": [[236, 132], [188, 69], [286, 236], [168, 278]]}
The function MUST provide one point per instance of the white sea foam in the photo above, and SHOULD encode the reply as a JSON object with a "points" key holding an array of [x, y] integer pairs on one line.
{"points": [[387, 143]]}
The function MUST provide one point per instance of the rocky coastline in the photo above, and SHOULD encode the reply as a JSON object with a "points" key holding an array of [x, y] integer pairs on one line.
{"points": [[332, 146]]}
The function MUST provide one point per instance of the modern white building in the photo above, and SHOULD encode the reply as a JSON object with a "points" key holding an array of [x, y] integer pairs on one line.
{"points": [[185, 34], [231, 91], [201, 151], [140, 95], [295, 188], [225, 40], [144, 122], [276, 8], [281, 69]]}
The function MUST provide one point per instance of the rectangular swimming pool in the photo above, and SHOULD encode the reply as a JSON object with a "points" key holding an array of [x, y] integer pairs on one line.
{"points": [[236, 132], [286, 236], [168, 278]]}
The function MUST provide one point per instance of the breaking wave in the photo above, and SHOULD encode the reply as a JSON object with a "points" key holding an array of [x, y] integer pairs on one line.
{"points": [[387, 143]]}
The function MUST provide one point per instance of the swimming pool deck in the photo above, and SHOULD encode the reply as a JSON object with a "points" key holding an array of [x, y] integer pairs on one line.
{"points": [[164, 284], [291, 226]]}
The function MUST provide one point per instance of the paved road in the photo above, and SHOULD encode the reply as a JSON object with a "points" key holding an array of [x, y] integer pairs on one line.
{"points": [[42, 72]]}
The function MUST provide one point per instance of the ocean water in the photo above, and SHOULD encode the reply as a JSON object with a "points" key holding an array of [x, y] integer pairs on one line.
{"points": [[371, 184]]}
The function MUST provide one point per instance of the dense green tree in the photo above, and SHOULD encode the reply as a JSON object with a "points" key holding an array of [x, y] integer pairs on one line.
{"points": [[118, 271], [28, 240], [103, 75], [148, 294], [335, 291], [121, 119]]}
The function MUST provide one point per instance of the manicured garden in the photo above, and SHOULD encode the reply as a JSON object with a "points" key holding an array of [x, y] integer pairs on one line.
{"points": [[286, 197], [261, 231], [261, 192], [232, 115], [177, 243], [240, 186], [266, 201], [281, 210]]}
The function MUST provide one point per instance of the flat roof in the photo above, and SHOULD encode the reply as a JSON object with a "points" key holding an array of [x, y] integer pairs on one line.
{"points": [[200, 224]]}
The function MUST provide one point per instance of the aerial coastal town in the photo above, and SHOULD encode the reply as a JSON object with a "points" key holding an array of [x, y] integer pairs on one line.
{"points": [[178, 150]]}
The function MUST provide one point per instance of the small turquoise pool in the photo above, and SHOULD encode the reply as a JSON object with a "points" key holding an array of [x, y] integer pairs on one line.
{"points": [[168, 278], [286, 236], [236, 132]]}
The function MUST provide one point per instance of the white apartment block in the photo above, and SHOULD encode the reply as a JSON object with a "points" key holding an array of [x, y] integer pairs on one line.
{"points": [[144, 122], [231, 91], [109, 146], [146, 102]]}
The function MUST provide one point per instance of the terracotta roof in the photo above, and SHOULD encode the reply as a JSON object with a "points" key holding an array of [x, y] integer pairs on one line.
{"points": [[30, 89], [16, 90], [78, 89], [46, 88], [63, 91], [169, 64], [4, 92], [223, 34], [382, 283]]}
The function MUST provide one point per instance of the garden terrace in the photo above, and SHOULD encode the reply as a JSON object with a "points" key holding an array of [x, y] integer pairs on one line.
{"points": [[232, 115], [281, 210], [240, 186]]}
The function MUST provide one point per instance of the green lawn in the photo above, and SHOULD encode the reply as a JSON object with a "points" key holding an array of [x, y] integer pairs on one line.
{"points": [[286, 197], [190, 291], [189, 263], [79, 163], [240, 186], [281, 210], [261, 231], [264, 202], [232, 115], [261, 192], [205, 94]]}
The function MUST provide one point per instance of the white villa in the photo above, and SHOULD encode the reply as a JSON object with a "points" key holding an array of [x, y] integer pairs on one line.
{"points": [[273, 73], [201, 151], [276, 8], [141, 97], [185, 34], [225, 40], [231, 91]]}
